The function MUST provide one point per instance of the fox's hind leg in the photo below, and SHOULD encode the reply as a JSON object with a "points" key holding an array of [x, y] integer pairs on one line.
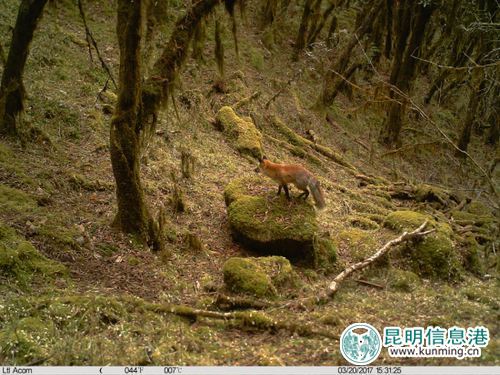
{"points": [[279, 189], [304, 194], [287, 193]]}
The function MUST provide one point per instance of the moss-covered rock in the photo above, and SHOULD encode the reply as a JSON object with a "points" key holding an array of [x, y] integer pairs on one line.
{"points": [[245, 137], [20, 262], [357, 243], [262, 277], [405, 220], [362, 222], [471, 257], [405, 281], [435, 255], [272, 225], [429, 193], [325, 254]]}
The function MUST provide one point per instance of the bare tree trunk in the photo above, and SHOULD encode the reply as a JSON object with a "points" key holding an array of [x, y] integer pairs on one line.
{"points": [[12, 92]]}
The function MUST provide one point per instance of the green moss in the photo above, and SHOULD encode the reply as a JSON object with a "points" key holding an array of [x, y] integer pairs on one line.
{"points": [[429, 193], [360, 243], [405, 281], [471, 256], [107, 249], [477, 208], [405, 220], [58, 235], [26, 340], [368, 208], [362, 222], [242, 133], [256, 59], [15, 201], [325, 254], [434, 256], [240, 187], [21, 262], [466, 218], [263, 220], [245, 275], [254, 319]]}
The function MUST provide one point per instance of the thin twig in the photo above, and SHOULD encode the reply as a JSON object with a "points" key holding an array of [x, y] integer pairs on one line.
{"points": [[280, 91], [89, 36], [459, 68]]}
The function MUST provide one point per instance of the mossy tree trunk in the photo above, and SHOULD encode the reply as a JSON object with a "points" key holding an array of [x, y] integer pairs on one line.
{"points": [[338, 68], [12, 91], [465, 135], [300, 41], [158, 88], [404, 65], [125, 146]]}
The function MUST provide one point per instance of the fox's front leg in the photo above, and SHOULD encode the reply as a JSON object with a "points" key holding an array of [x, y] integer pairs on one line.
{"points": [[279, 189]]}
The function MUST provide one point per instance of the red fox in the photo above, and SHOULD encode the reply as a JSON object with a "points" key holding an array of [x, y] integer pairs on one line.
{"points": [[285, 174]]}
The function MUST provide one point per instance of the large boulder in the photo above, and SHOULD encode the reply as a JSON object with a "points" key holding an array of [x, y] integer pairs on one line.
{"points": [[435, 256], [241, 132], [262, 277], [272, 225]]}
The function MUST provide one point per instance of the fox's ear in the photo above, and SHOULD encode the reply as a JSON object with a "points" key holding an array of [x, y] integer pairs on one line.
{"points": [[264, 157]]}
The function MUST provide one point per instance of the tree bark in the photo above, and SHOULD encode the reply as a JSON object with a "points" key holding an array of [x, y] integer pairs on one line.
{"points": [[404, 66], [12, 91], [157, 88], [332, 80], [301, 40], [132, 216], [464, 140]]}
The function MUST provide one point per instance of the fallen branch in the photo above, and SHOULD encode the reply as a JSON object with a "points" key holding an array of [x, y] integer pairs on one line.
{"points": [[369, 283], [243, 319], [224, 302], [405, 237]]}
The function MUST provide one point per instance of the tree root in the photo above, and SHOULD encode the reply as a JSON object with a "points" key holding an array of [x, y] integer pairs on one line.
{"points": [[242, 319], [228, 303]]}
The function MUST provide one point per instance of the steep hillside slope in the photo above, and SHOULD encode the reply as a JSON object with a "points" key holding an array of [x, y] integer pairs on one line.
{"points": [[75, 291]]}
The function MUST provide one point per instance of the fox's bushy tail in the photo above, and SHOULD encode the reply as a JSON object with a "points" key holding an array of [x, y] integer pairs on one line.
{"points": [[317, 194]]}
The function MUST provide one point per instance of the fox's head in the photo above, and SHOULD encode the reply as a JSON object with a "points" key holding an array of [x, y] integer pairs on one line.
{"points": [[262, 163]]}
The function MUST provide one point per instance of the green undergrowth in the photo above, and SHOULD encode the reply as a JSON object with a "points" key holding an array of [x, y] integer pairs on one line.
{"points": [[21, 264]]}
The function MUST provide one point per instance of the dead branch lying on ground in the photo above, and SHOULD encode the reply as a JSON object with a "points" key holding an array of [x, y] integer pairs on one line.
{"points": [[242, 319], [405, 237]]}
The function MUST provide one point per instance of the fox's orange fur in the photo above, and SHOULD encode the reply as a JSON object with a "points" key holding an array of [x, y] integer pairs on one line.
{"points": [[285, 174]]}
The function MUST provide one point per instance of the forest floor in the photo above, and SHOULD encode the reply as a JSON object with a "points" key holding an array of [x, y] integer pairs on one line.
{"points": [[60, 198]]}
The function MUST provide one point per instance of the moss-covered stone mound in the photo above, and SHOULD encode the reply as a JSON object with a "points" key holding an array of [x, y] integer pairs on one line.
{"points": [[262, 277], [272, 225], [241, 132], [20, 262], [434, 256]]}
